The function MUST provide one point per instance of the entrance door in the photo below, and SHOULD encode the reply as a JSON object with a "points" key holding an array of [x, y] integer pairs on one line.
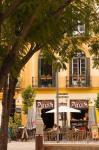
{"points": [[48, 118]]}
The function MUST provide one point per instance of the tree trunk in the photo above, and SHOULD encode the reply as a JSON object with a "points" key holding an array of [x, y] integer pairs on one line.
{"points": [[8, 93]]}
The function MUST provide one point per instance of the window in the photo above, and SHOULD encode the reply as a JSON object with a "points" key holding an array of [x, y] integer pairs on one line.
{"points": [[79, 70], [79, 29], [46, 74]]}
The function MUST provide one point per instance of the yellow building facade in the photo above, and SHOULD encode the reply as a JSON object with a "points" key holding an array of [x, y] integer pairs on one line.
{"points": [[76, 85]]}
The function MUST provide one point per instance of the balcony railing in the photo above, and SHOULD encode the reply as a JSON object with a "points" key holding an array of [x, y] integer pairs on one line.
{"points": [[70, 81], [75, 81], [44, 82]]}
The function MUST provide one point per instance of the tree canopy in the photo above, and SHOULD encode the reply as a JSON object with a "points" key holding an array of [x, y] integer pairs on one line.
{"points": [[97, 102], [28, 96], [28, 26], [42, 25]]}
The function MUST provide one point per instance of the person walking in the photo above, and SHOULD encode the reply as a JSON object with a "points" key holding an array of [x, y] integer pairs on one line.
{"points": [[24, 134]]}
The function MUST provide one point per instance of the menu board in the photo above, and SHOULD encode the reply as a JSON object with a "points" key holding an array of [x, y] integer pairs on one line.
{"points": [[94, 130], [39, 127]]}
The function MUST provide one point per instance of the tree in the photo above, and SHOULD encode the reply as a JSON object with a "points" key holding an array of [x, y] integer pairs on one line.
{"points": [[94, 51], [97, 102], [28, 96], [36, 25]]}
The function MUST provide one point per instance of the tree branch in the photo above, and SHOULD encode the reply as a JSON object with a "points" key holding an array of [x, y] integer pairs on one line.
{"points": [[61, 8], [12, 55], [1, 1], [11, 9], [30, 54]]}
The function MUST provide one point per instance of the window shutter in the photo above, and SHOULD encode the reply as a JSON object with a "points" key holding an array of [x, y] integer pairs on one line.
{"points": [[39, 71], [69, 83], [53, 77], [87, 72]]}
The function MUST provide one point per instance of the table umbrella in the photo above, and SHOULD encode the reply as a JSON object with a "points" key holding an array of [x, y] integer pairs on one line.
{"points": [[64, 109]]}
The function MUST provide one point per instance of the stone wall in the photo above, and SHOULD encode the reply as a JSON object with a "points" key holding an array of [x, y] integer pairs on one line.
{"points": [[71, 147]]}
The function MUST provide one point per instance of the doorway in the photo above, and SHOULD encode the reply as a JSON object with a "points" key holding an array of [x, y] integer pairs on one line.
{"points": [[48, 118]]}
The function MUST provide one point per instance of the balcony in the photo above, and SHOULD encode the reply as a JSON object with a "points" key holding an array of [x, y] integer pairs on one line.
{"points": [[44, 82], [70, 81], [75, 81]]}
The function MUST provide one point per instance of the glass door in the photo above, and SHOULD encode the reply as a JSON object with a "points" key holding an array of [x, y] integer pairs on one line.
{"points": [[79, 71], [75, 71]]}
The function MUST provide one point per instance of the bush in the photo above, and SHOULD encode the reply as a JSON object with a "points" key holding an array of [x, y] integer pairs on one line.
{"points": [[97, 102], [28, 96], [14, 123]]}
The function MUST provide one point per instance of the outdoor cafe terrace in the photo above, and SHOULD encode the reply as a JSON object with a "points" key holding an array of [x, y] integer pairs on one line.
{"points": [[70, 135]]}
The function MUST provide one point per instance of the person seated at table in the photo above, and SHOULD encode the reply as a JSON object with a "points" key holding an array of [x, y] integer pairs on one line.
{"points": [[54, 132], [55, 127], [85, 117]]}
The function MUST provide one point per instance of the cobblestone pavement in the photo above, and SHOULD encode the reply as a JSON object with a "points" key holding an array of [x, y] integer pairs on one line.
{"points": [[29, 145]]}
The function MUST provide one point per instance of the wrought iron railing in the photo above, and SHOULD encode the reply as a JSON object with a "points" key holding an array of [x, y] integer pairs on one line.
{"points": [[75, 81], [69, 135], [44, 82], [69, 81]]}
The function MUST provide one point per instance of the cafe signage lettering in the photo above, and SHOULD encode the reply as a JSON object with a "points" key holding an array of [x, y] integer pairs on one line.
{"points": [[44, 103], [79, 103]]}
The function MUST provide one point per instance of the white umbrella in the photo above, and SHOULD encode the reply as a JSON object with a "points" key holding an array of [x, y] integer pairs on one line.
{"points": [[64, 109]]}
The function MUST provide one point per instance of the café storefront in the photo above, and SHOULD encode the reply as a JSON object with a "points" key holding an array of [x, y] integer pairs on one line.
{"points": [[79, 120], [42, 106]]}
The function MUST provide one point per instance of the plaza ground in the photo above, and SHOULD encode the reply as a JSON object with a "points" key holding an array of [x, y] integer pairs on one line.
{"points": [[29, 145]]}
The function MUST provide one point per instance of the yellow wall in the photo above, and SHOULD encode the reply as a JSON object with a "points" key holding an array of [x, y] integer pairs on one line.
{"points": [[31, 70], [24, 120], [1, 96], [97, 116]]}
